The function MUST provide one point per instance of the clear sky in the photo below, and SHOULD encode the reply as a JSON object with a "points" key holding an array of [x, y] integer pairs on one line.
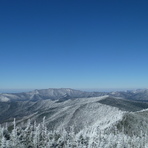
{"points": [[73, 44]]}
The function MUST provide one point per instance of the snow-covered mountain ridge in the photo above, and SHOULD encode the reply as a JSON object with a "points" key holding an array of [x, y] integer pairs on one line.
{"points": [[67, 93], [51, 93], [64, 103], [88, 113], [79, 113]]}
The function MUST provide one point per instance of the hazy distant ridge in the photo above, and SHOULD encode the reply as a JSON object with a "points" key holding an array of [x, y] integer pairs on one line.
{"points": [[62, 94]]}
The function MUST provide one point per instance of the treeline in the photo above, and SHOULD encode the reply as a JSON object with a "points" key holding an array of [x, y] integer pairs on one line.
{"points": [[34, 135]]}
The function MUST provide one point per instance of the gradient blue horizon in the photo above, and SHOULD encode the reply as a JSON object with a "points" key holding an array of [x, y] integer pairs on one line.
{"points": [[73, 44]]}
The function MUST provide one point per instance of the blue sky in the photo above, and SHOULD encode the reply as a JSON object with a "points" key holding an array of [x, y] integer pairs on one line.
{"points": [[73, 43]]}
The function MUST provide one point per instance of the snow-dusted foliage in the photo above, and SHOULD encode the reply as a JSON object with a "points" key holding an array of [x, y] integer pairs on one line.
{"points": [[35, 135]]}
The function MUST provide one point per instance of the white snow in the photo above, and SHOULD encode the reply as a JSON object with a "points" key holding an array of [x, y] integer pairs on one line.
{"points": [[4, 99]]}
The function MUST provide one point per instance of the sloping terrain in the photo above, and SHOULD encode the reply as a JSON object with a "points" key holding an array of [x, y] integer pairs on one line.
{"points": [[66, 107], [106, 119], [81, 112], [67, 93], [101, 112], [124, 105], [51, 94], [138, 95]]}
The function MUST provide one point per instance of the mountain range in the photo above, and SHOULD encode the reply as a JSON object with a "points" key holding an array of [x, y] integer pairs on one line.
{"points": [[65, 106], [67, 93], [84, 111]]}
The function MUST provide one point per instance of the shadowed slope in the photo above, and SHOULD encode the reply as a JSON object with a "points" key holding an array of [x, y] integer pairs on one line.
{"points": [[124, 105]]}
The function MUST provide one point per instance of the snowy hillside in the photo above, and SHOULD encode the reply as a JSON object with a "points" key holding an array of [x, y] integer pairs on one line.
{"points": [[139, 94], [113, 129], [51, 93], [67, 93], [107, 120]]}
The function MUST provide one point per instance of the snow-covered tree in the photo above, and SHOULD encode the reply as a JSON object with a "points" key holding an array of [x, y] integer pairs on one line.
{"points": [[35, 135]]}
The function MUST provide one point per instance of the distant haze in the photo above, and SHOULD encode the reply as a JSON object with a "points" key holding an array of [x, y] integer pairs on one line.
{"points": [[82, 89], [14, 90]]}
